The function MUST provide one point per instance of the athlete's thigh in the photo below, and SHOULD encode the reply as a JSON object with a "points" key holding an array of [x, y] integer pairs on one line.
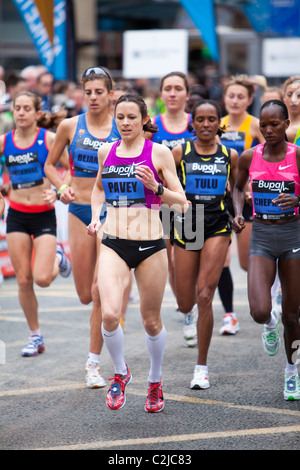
{"points": [[83, 250], [151, 277], [113, 276], [212, 258], [289, 275], [186, 273], [19, 246], [44, 248], [243, 242], [261, 276]]}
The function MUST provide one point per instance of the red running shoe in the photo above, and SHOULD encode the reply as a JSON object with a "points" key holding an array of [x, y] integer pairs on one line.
{"points": [[116, 398], [155, 399]]}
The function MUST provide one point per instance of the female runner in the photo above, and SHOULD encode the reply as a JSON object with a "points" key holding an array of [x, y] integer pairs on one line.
{"points": [[131, 172], [173, 129], [31, 220], [241, 132], [274, 169], [206, 167], [84, 135]]}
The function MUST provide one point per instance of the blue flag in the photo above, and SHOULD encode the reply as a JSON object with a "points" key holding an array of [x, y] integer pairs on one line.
{"points": [[203, 15]]}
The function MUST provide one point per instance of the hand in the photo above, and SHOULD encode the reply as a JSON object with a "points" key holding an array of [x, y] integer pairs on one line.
{"points": [[285, 201], [238, 224], [49, 196], [144, 174], [94, 227], [67, 195]]}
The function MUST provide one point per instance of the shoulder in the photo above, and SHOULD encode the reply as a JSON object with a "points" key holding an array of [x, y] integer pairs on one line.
{"points": [[105, 148]]}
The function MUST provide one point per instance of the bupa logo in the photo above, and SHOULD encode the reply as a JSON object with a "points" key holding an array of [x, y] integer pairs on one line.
{"points": [[273, 186]]}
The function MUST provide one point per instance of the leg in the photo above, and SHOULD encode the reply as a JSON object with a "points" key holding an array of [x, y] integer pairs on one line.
{"points": [[20, 252], [113, 275], [261, 275], [46, 264], [186, 272], [212, 259], [151, 276], [289, 272], [243, 242]]}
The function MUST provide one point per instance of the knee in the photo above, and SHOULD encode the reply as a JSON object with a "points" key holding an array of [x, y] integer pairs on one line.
{"points": [[205, 297], [185, 305], [152, 325], [260, 315], [110, 320], [43, 280], [25, 283], [85, 296]]}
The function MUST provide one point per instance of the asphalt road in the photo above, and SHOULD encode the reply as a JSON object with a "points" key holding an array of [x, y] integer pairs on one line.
{"points": [[44, 403]]}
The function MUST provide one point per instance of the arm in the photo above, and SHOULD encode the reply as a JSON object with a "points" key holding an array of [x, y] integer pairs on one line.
{"points": [[287, 201], [98, 195], [163, 161], [177, 154], [238, 196], [58, 152]]}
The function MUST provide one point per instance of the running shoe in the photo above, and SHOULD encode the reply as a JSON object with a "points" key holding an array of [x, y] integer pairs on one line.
{"points": [[200, 380], [190, 327], [230, 325], [271, 337], [34, 347], [292, 388], [65, 267], [155, 399], [116, 398], [93, 377]]}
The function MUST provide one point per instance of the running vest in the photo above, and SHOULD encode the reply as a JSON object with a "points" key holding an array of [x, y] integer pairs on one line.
{"points": [[297, 138], [121, 187], [269, 179], [204, 178], [241, 139], [83, 151], [26, 165], [170, 139]]}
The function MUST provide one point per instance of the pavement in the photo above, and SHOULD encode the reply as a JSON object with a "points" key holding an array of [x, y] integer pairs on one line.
{"points": [[45, 405]]}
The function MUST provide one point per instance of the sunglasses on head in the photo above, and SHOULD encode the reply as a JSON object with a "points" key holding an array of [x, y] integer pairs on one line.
{"points": [[97, 71]]}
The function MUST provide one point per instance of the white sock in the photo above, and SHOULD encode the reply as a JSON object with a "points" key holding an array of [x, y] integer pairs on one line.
{"points": [[35, 332], [114, 341], [272, 322], [205, 368], [156, 348], [291, 369], [94, 357]]}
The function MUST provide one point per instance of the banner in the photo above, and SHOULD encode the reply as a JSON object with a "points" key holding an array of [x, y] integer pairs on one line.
{"points": [[203, 15], [59, 68], [37, 30], [46, 21]]}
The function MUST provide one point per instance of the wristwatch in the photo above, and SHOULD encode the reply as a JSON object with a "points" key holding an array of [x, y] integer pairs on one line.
{"points": [[160, 190]]}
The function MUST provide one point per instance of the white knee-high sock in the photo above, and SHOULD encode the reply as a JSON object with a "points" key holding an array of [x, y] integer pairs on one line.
{"points": [[114, 341], [156, 348]]}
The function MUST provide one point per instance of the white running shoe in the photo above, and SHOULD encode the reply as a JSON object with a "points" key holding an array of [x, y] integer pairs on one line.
{"points": [[271, 337], [93, 377], [200, 380], [65, 267], [190, 325], [34, 347], [230, 325]]}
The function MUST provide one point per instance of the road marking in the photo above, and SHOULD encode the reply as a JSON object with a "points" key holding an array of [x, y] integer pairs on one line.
{"points": [[178, 438]]}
